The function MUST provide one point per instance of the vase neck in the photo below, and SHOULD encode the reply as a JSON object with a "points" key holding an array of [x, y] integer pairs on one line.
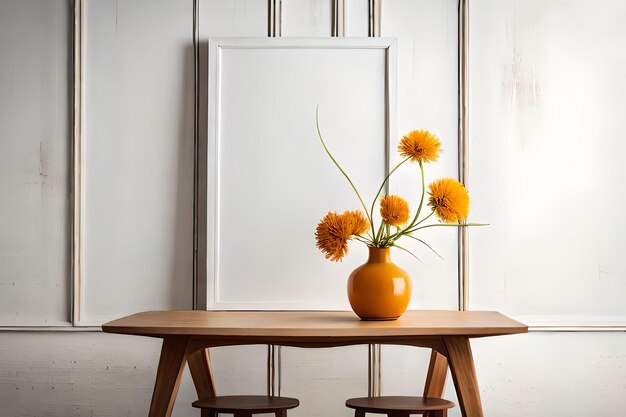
{"points": [[379, 255]]}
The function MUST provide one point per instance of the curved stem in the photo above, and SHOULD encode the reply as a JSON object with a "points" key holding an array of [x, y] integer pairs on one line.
{"points": [[397, 235], [425, 218], [319, 133], [409, 252], [419, 208], [427, 245], [406, 230], [368, 242], [380, 228], [383, 186]]}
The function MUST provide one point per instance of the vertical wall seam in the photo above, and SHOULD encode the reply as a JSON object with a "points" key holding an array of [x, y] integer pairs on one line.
{"points": [[270, 18], [77, 188], [338, 18], [344, 18], [196, 151], [280, 17], [274, 18], [463, 138], [274, 353], [374, 368], [335, 19]]}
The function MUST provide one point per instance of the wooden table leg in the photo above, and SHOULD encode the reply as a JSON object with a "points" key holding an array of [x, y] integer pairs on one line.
{"points": [[464, 375], [436, 377], [199, 363], [169, 372]]}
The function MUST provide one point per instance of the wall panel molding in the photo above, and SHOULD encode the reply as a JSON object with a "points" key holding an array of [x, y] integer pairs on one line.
{"points": [[274, 18], [339, 18], [375, 17], [463, 153], [78, 165]]}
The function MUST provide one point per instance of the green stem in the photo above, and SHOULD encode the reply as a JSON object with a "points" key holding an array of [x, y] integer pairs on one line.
{"points": [[408, 251], [362, 240], [419, 208], [406, 231], [397, 235], [379, 233], [427, 245], [448, 225], [319, 133], [425, 218], [383, 186]]}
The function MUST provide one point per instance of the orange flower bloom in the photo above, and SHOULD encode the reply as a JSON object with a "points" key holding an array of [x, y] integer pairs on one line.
{"points": [[420, 146], [394, 210], [334, 231], [356, 223], [449, 200]]}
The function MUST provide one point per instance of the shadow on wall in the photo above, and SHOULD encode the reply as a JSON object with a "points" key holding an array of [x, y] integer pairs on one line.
{"points": [[201, 164], [182, 237]]}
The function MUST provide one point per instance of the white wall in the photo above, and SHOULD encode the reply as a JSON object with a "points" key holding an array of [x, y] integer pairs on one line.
{"points": [[139, 144], [138, 158], [546, 159], [34, 162]]}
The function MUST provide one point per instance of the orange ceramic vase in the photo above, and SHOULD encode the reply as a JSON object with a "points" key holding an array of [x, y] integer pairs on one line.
{"points": [[379, 289]]}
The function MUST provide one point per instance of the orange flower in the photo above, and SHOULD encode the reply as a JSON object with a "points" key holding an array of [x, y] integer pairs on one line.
{"points": [[449, 200], [356, 223], [334, 231], [420, 146], [394, 210]]}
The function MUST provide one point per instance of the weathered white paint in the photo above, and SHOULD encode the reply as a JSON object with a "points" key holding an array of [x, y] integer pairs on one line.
{"points": [[322, 379], [532, 375], [101, 375], [357, 18], [139, 158], [34, 162], [307, 17], [232, 18], [546, 166], [552, 374]]}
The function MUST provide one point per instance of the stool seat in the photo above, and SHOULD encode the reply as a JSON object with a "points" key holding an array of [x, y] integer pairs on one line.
{"points": [[248, 404], [399, 406]]}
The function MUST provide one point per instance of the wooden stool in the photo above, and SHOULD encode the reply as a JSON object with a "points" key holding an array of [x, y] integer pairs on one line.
{"points": [[246, 405], [400, 406]]}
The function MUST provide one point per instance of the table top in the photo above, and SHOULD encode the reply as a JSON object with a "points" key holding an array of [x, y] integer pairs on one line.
{"points": [[313, 324]]}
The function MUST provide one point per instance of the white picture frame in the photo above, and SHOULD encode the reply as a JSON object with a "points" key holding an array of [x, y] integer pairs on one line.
{"points": [[272, 84]]}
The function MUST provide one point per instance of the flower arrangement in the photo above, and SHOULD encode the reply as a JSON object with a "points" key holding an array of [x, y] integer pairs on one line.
{"points": [[448, 200]]}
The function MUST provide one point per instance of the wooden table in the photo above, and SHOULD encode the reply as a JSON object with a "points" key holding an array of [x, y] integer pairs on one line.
{"points": [[187, 335]]}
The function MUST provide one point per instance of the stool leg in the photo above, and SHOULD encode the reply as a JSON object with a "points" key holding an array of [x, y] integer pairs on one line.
{"points": [[359, 413]]}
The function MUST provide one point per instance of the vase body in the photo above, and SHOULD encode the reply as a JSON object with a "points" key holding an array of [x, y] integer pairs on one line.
{"points": [[379, 289]]}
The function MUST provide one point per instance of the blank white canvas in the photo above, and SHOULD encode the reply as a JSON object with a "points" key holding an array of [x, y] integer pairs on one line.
{"points": [[270, 181]]}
